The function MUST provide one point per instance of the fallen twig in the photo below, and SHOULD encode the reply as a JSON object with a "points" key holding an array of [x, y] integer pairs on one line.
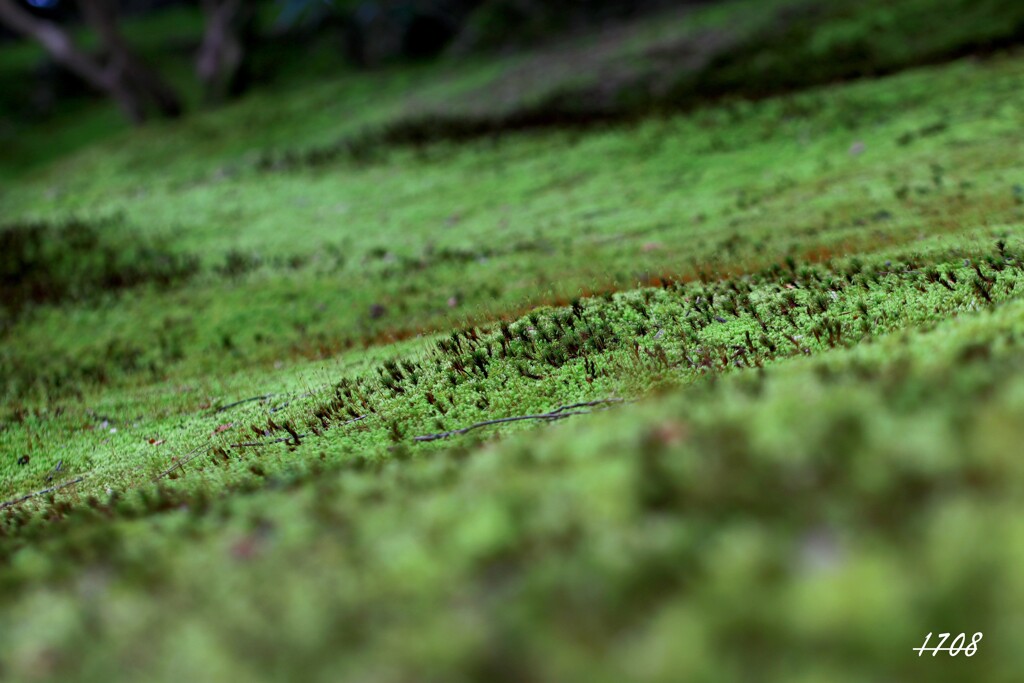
{"points": [[189, 457], [587, 404], [294, 438], [29, 496], [556, 414], [264, 397]]}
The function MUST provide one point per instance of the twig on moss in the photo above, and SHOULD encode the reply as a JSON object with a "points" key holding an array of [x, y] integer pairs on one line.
{"points": [[559, 413], [294, 438], [29, 496], [189, 457], [264, 397], [588, 404]]}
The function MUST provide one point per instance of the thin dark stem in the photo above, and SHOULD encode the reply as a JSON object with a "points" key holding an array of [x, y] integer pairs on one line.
{"points": [[556, 414], [189, 457], [229, 406], [293, 439], [29, 496], [588, 404]]}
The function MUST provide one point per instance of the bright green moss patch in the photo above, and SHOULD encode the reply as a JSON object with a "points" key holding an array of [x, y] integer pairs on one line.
{"points": [[421, 242], [619, 346]]}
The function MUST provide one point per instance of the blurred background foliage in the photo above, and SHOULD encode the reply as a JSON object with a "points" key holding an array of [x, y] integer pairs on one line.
{"points": [[585, 60]]}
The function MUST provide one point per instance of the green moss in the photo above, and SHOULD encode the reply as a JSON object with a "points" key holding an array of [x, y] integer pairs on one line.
{"points": [[809, 306]]}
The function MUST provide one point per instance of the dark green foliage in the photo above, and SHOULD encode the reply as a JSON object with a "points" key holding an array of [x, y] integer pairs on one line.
{"points": [[76, 260]]}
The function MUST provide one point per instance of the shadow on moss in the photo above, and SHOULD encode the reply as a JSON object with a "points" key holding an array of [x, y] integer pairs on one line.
{"points": [[75, 260]]}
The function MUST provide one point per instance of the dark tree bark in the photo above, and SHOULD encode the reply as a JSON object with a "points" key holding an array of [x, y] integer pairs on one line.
{"points": [[221, 58], [56, 42], [138, 90]]}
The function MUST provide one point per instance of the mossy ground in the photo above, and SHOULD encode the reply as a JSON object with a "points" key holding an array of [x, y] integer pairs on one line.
{"points": [[784, 337]]}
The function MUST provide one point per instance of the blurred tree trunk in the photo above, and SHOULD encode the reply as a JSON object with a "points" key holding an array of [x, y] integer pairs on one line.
{"points": [[138, 90], [221, 58], [57, 43]]}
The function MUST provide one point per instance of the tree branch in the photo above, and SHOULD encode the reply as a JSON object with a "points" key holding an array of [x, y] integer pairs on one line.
{"points": [[57, 43], [137, 86], [222, 51]]}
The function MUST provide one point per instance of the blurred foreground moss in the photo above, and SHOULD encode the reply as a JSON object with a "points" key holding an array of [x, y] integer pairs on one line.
{"points": [[812, 522]]}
